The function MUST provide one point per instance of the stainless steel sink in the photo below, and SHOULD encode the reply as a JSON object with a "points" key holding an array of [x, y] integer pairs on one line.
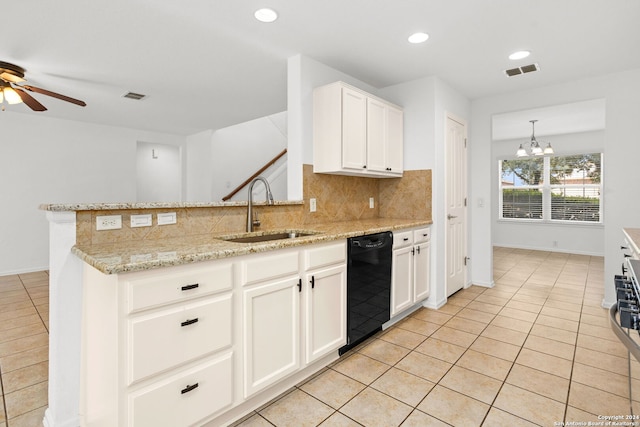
{"points": [[266, 236]]}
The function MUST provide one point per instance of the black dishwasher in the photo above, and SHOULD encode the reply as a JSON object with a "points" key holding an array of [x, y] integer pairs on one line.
{"points": [[368, 286]]}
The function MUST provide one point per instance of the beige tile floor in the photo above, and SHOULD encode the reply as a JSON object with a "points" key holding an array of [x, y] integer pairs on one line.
{"points": [[534, 350], [24, 348]]}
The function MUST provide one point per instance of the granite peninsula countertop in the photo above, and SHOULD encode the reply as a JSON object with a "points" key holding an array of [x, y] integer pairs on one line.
{"points": [[114, 258], [71, 207]]}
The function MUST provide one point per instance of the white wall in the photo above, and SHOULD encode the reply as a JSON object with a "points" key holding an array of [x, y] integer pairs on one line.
{"points": [[621, 173], [198, 167], [158, 172], [218, 161], [47, 160], [587, 239]]}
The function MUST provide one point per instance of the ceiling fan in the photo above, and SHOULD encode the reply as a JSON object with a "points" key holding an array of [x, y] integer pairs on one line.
{"points": [[11, 75]]}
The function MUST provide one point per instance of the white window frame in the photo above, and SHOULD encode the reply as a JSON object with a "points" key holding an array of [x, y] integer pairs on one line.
{"points": [[546, 188]]}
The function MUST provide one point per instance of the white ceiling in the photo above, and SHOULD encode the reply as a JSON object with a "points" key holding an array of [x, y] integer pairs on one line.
{"points": [[207, 64]]}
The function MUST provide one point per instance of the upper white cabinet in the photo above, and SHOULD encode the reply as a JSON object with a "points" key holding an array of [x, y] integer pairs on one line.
{"points": [[356, 133]]}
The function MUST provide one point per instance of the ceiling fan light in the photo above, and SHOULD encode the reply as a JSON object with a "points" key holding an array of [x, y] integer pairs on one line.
{"points": [[11, 96], [548, 149], [521, 152]]}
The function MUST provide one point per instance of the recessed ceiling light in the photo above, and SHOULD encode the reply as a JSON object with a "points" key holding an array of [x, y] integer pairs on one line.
{"points": [[519, 54], [418, 38], [266, 15]]}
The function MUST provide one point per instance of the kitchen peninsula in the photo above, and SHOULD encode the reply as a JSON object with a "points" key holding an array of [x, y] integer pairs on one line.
{"points": [[102, 295]]}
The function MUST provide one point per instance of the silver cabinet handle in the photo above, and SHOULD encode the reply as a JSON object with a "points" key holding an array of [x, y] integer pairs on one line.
{"points": [[449, 216]]}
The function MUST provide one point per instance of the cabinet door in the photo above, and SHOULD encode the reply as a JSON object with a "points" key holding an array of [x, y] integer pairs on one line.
{"points": [[271, 318], [376, 135], [354, 129], [325, 311], [394, 140], [402, 280], [421, 271]]}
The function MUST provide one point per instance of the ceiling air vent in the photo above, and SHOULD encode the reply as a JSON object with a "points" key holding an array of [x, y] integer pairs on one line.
{"points": [[522, 70], [133, 95]]}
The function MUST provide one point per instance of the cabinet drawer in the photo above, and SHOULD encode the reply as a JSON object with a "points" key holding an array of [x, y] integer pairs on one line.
{"points": [[421, 235], [185, 398], [402, 239], [166, 339], [152, 291], [321, 256], [260, 267]]}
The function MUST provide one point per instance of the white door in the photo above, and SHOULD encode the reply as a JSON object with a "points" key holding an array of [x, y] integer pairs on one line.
{"points": [[354, 130], [271, 318], [376, 135], [401, 279], [325, 311], [395, 139], [456, 196], [421, 260]]}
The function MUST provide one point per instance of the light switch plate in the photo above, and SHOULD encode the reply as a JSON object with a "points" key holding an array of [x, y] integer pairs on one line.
{"points": [[371, 203], [141, 220], [312, 205], [167, 218]]}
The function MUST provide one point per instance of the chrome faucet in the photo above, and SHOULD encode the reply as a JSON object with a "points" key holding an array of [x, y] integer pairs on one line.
{"points": [[255, 222]]}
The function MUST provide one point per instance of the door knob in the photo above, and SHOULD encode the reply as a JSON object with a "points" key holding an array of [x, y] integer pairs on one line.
{"points": [[449, 216]]}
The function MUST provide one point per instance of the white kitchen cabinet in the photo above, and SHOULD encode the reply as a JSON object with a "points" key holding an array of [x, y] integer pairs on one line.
{"points": [[410, 269], [272, 316], [200, 343], [164, 355], [356, 133], [325, 296]]}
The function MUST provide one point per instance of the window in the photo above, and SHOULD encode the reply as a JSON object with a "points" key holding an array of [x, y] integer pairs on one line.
{"points": [[549, 189]]}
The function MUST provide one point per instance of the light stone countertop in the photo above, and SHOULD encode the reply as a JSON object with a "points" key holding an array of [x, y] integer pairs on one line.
{"points": [[71, 207], [114, 258]]}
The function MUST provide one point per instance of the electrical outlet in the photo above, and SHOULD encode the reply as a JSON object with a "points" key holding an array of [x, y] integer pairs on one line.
{"points": [[167, 218], [141, 220], [108, 222], [371, 203], [312, 205]]}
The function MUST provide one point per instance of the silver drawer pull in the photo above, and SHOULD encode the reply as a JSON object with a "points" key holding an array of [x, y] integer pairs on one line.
{"points": [[189, 322], [187, 287], [188, 388]]}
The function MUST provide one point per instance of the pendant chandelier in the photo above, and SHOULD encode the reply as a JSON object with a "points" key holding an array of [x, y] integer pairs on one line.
{"points": [[535, 148]]}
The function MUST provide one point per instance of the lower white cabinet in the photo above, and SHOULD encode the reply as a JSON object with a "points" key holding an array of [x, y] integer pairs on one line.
{"points": [[410, 269], [290, 322], [271, 332], [185, 398], [189, 345], [325, 311]]}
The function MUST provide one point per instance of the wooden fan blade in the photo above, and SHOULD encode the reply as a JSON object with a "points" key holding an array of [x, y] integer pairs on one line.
{"points": [[55, 95], [11, 78], [30, 100]]}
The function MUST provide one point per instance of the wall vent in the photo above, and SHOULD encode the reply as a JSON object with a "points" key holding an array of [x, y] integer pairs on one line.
{"points": [[522, 70], [133, 95]]}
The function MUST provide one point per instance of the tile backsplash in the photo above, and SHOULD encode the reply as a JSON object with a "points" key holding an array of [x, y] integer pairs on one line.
{"points": [[342, 198], [338, 198]]}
